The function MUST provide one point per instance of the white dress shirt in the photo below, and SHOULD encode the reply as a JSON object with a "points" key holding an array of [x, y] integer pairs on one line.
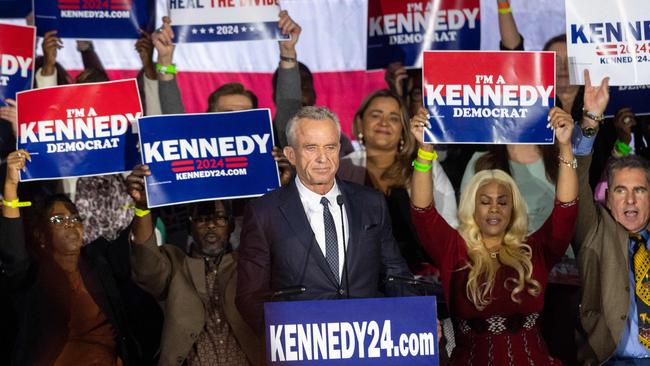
{"points": [[314, 211]]}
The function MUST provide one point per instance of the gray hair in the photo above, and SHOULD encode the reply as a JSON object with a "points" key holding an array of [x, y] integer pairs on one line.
{"points": [[310, 112], [629, 162]]}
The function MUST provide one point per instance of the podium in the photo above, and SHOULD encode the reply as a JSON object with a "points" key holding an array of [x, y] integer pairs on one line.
{"points": [[378, 331]]}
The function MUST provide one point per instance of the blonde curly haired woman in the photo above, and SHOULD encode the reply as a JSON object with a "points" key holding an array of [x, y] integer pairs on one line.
{"points": [[493, 274]]}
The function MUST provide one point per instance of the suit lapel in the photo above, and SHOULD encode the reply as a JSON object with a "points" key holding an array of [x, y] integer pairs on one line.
{"points": [[294, 215], [196, 267]]}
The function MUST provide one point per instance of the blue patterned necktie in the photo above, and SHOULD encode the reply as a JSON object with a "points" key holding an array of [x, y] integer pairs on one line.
{"points": [[331, 240]]}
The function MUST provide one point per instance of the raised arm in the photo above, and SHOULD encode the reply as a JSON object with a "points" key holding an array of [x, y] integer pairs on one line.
{"points": [[595, 101], [510, 37], [421, 180], [46, 76], [151, 269], [567, 181], [288, 93], [14, 258], [170, 94]]}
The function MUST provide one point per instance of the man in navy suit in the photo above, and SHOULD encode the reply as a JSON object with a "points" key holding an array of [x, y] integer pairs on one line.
{"points": [[295, 240]]}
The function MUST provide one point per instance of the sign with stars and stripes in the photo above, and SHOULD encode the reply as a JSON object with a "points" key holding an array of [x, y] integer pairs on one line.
{"points": [[225, 20], [208, 156]]}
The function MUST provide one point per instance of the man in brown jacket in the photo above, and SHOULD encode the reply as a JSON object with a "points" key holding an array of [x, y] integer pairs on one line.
{"points": [[610, 317], [197, 291]]}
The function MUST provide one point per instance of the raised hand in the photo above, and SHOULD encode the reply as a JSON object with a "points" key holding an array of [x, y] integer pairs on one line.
{"points": [[596, 97], [418, 122], [284, 166], [395, 75], [290, 27], [16, 161], [162, 39], [135, 185], [144, 47], [8, 113], [51, 45], [562, 124]]}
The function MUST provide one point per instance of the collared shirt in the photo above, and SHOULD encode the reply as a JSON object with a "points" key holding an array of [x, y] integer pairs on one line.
{"points": [[629, 345], [216, 345], [314, 211]]}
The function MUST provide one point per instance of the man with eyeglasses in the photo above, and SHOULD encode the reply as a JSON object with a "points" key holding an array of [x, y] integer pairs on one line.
{"points": [[197, 289]]}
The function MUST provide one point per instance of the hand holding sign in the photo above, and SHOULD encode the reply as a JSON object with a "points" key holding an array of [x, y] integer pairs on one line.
{"points": [[418, 123], [51, 45], [288, 27], [15, 163], [562, 123], [135, 185], [163, 41], [144, 47]]}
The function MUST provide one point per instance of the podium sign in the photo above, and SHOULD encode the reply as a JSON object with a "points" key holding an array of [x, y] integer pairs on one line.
{"points": [[384, 331]]}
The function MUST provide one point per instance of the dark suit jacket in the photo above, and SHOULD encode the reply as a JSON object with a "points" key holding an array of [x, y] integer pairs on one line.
{"points": [[278, 250]]}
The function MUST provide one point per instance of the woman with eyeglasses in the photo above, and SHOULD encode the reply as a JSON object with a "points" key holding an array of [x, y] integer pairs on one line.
{"points": [[71, 311]]}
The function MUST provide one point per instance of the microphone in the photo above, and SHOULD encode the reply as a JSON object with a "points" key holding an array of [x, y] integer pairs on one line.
{"points": [[339, 201], [289, 291], [404, 280]]}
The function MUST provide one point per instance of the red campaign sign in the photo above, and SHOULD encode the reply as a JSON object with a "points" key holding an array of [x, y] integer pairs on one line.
{"points": [[489, 97], [79, 130], [399, 30], [517, 68], [16, 59]]}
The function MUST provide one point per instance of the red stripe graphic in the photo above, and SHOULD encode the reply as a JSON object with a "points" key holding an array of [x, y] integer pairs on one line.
{"points": [[126, 7], [183, 169], [606, 53], [68, 2], [69, 7], [182, 162], [236, 165], [238, 159], [603, 46]]}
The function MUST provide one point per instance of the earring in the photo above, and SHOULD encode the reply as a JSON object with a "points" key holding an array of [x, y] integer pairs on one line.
{"points": [[360, 138], [401, 144]]}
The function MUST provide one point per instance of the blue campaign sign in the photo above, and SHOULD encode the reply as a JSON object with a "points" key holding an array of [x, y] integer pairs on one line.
{"points": [[69, 136], [488, 97], [635, 97], [89, 19], [385, 331], [15, 8], [207, 156], [16, 59], [400, 30]]}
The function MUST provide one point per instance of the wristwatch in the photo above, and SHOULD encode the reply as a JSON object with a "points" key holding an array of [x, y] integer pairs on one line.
{"points": [[589, 131], [592, 115]]}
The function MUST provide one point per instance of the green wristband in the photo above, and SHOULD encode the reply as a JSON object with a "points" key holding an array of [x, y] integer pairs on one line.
{"points": [[622, 148], [169, 69], [421, 167]]}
